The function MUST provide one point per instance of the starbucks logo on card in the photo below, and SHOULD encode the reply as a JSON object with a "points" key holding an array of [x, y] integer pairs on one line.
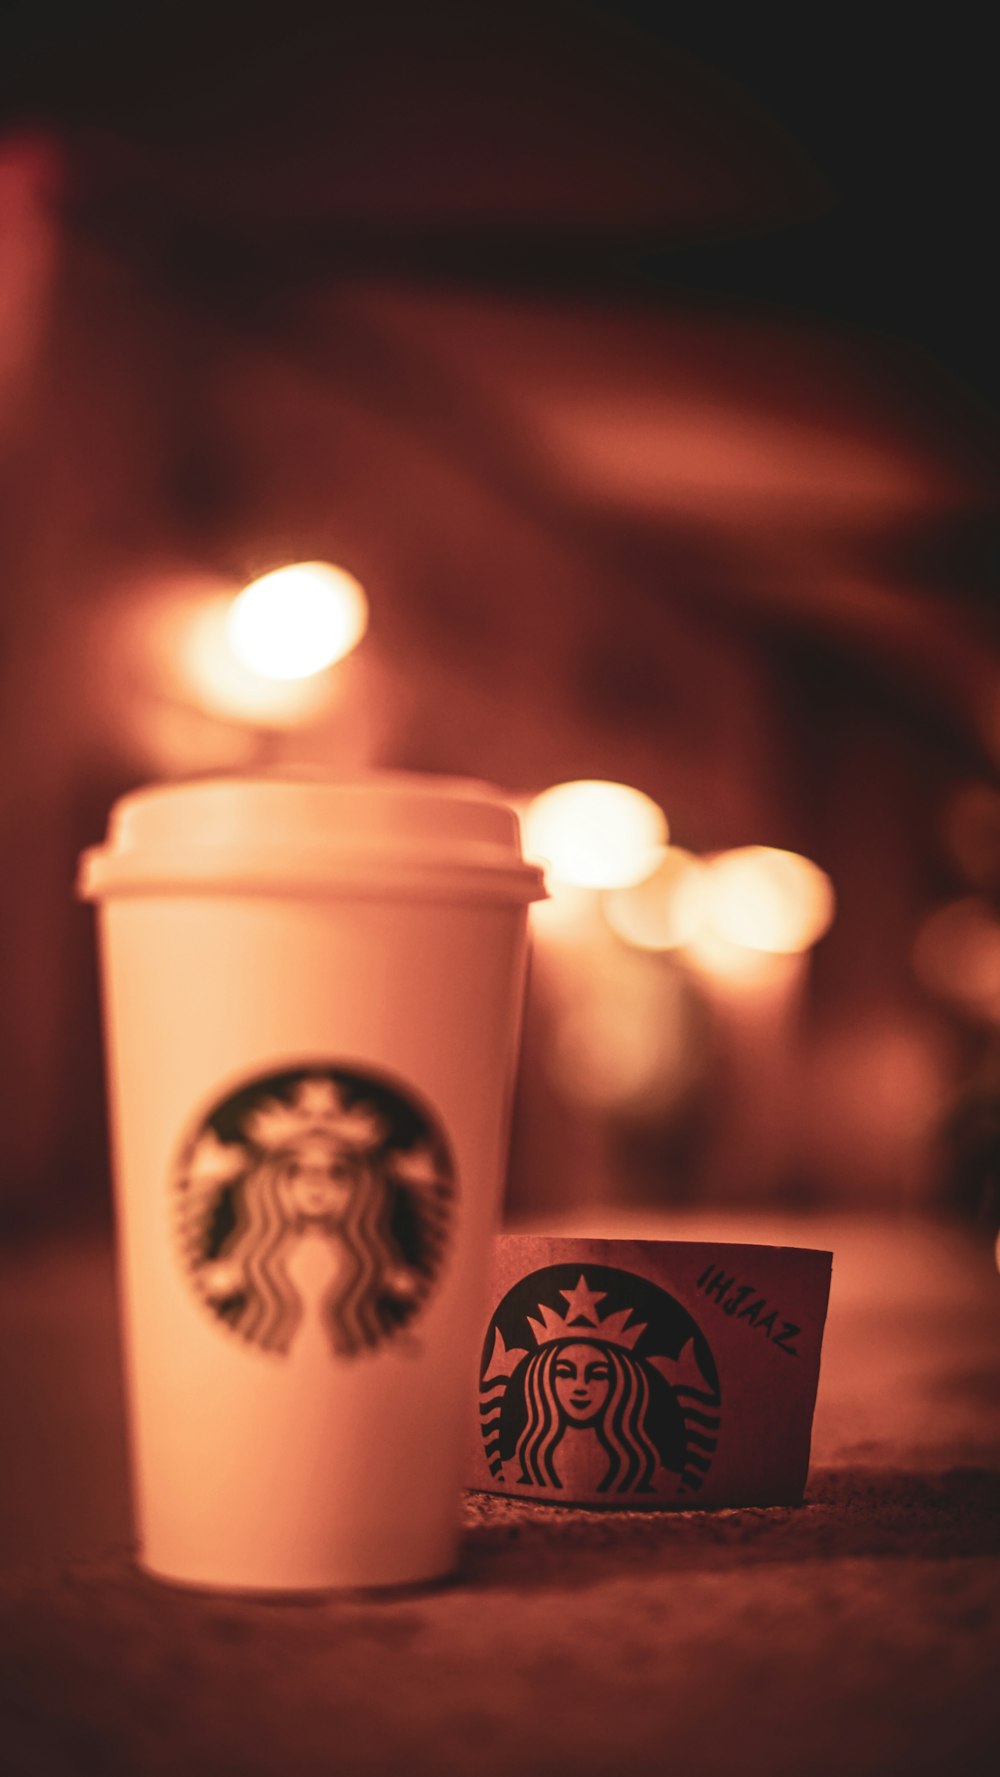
{"points": [[315, 1202], [597, 1385]]}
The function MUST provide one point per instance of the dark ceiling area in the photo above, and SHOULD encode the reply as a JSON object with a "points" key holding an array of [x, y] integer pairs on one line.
{"points": [[795, 162]]}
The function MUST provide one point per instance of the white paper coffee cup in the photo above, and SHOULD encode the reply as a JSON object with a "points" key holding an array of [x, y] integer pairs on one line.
{"points": [[312, 995]]}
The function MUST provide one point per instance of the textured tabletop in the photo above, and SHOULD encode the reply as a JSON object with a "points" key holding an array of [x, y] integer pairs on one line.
{"points": [[857, 1633]]}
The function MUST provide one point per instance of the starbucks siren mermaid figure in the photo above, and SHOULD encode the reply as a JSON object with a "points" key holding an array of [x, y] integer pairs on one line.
{"points": [[315, 1200], [583, 1411]]}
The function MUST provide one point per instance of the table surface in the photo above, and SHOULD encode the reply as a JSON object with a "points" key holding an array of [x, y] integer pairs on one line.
{"points": [[857, 1633]]}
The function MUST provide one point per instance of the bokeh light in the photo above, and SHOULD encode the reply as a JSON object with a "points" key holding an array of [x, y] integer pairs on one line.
{"points": [[957, 954], [593, 834], [297, 620], [770, 900], [223, 686], [740, 967], [666, 908]]}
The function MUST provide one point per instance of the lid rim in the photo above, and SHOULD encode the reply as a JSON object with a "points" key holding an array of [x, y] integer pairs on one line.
{"points": [[306, 833], [104, 875]]}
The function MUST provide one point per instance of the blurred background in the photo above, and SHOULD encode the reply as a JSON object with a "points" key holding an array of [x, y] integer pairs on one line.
{"points": [[640, 375]]}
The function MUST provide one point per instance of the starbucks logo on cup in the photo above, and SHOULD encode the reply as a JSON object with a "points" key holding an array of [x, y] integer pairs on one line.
{"points": [[315, 1200], [597, 1386]]}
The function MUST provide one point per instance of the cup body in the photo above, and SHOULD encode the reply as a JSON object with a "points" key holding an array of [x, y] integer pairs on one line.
{"points": [[309, 1088]]}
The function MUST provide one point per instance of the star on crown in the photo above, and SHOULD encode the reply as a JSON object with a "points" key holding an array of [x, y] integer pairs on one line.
{"points": [[318, 1109], [581, 1315]]}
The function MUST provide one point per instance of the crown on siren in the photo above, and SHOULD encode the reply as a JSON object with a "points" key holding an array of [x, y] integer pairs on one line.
{"points": [[582, 1320], [316, 1109]]}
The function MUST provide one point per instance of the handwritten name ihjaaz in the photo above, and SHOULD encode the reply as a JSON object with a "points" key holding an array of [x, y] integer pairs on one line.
{"points": [[741, 1301]]}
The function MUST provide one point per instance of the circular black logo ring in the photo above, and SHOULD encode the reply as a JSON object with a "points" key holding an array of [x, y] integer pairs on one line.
{"points": [[596, 1384], [345, 1163]]}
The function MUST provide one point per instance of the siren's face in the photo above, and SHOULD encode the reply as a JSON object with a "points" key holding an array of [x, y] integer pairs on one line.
{"points": [[582, 1382], [320, 1178]]}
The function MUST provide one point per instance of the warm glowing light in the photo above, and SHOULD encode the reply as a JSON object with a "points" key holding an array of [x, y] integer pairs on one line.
{"points": [[768, 900], [957, 954], [742, 970], [666, 909], [224, 687], [594, 834], [567, 919], [297, 620]]}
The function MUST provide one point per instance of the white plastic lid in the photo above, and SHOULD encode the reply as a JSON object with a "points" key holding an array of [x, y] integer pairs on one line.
{"points": [[388, 834]]}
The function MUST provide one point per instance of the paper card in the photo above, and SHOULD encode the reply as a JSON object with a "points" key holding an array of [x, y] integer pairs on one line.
{"points": [[649, 1374]]}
